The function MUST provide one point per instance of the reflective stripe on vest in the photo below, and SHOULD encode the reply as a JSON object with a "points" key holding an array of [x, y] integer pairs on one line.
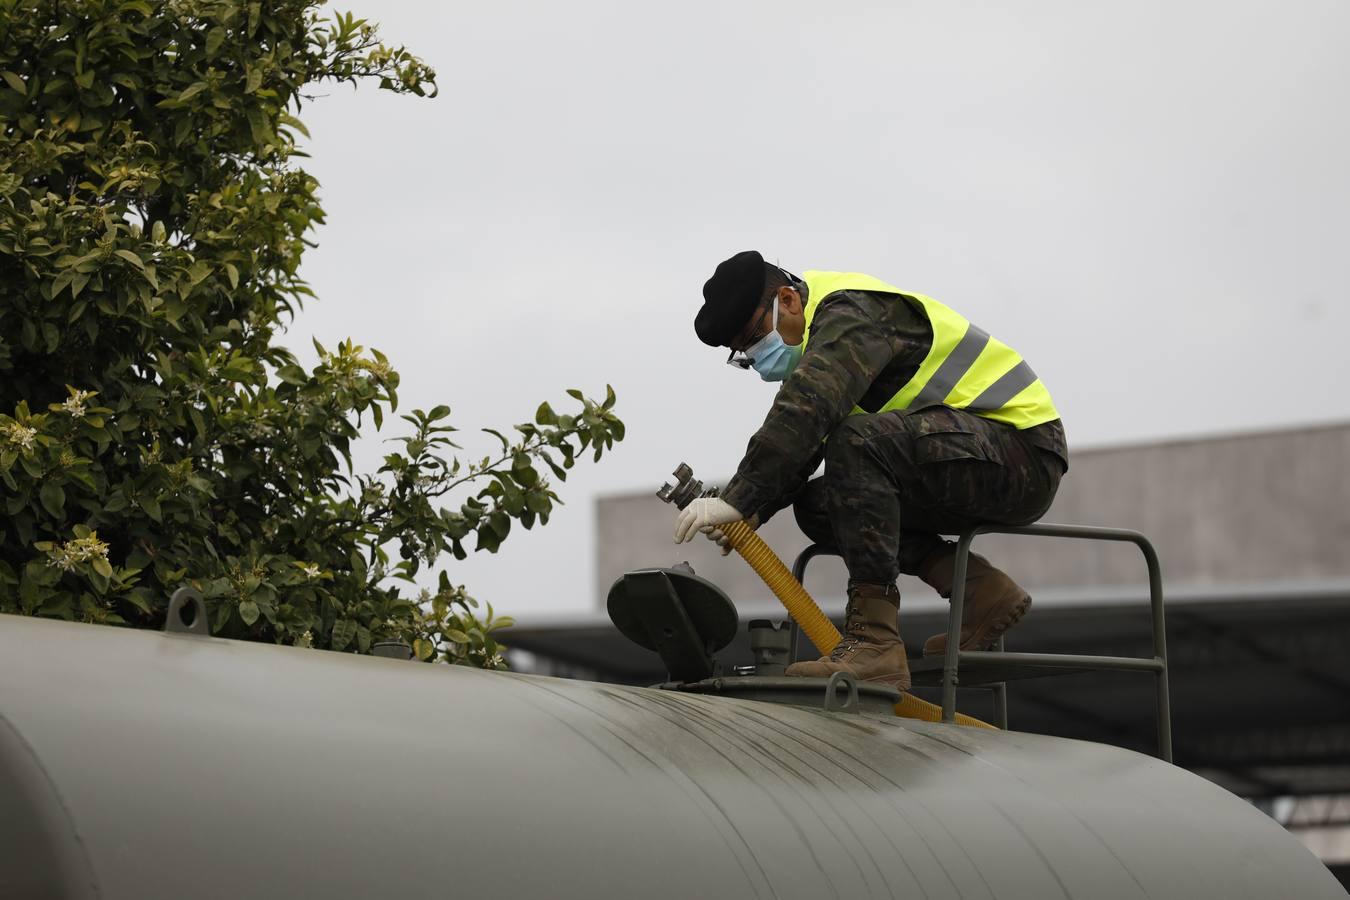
{"points": [[966, 368]]}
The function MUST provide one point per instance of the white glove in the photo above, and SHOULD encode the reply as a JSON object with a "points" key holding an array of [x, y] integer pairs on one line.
{"points": [[711, 511], [719, 537]]}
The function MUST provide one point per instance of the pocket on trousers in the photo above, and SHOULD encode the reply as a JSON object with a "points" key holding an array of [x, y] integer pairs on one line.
{"points": [[951, 446]]}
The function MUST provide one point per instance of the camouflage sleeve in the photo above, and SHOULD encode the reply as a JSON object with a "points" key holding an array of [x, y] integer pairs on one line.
{"points": [[789, 495], [852, 341]]}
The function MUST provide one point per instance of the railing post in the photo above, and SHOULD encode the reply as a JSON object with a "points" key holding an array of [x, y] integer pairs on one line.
{"points": [[1001, 696], [810, 552], [951, 658], [1155, 597]]}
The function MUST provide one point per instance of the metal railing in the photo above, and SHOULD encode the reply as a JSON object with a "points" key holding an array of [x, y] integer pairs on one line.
{"points": [[955, 656]]}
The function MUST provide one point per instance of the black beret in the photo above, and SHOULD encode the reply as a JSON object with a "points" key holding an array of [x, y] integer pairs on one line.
{"points": [[730, 297]]}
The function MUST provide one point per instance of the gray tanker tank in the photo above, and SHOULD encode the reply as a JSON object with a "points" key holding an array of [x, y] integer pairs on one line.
{"points": [[136, 765]]}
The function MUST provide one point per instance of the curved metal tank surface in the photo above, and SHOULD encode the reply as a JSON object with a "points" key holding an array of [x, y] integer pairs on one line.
{"points": [[137, 765]]}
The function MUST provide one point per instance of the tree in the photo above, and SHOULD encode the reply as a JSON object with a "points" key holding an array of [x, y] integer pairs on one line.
{"points": [[152, 222]]}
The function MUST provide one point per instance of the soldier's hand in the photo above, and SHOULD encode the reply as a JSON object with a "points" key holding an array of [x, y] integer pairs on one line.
{"points": [[717, 536], [711, 511]]}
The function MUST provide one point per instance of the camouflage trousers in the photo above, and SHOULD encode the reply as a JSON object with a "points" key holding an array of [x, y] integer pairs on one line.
{"points": [[895, 481]]}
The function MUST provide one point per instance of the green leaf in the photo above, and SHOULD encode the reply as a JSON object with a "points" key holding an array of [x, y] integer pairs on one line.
{"points": [[523, 470], [249, 612], [14, 81], [292, 122], [214, 38], [53, 498], [423, 649], [192, 91], [62, 281], [488, 540], [292, 374], [131, 258], [139, 599], [499, 522], [343, 632], [198, 272], [31, 465], [223, 613], [103, 567]]}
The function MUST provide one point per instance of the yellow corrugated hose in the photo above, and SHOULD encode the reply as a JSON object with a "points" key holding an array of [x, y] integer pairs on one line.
{"points": [[814, 623], [804, 611]]}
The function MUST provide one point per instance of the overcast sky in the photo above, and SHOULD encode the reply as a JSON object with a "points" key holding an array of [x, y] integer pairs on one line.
{"points": [[1150, 201]]}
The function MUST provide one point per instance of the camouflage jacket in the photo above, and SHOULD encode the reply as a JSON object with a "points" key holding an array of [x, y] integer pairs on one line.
{"points": [[864, 346]]}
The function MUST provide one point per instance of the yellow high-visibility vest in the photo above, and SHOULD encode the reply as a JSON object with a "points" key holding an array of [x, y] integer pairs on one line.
{"points": [[965, 369]]}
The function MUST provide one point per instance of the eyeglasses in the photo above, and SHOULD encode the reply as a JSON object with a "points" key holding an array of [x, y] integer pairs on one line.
{"points": [[744, 359], [739, 359]]}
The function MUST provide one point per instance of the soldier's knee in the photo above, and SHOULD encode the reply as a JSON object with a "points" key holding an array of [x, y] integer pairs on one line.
{"points": [[811, 509], [814, 521], [847, 443]]}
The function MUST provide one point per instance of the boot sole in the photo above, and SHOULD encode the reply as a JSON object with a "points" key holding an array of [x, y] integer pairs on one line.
{"points": [[901, 681], [996, 630]]}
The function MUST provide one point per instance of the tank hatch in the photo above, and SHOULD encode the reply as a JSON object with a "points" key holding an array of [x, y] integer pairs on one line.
{"points": [[686, 619]]}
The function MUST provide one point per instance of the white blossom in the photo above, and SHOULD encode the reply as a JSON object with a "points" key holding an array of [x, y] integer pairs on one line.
{"points": [[66, 556], [20, 436]]}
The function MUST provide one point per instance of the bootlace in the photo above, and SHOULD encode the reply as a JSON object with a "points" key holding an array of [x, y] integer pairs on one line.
{"points": [[849, 643], [852, 639]]}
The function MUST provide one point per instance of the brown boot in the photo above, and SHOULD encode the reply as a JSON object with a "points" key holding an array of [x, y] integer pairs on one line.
{"points": [[993, 603], [871, 649]]}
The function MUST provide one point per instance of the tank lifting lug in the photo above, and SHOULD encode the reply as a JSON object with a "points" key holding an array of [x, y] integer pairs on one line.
{"points": [[187, 613], [847, 681]]}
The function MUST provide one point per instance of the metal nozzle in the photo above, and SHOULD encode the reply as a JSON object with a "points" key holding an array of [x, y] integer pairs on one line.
{"points": [[685, 489]]}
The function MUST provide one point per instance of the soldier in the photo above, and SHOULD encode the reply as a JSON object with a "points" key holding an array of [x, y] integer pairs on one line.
{"points": [[926, 424]]}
